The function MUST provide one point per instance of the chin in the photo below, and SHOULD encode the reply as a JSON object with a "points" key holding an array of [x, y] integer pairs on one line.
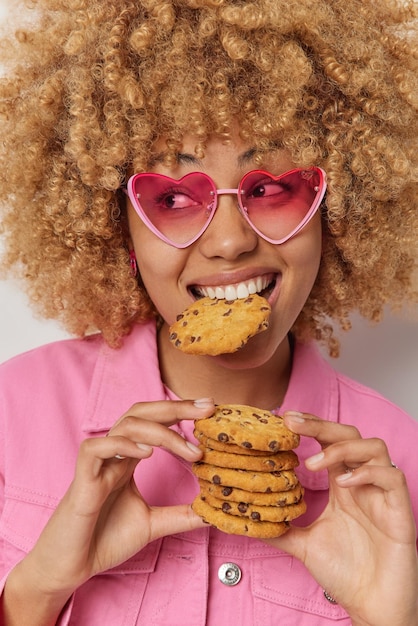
{"points": [[258, 352]]}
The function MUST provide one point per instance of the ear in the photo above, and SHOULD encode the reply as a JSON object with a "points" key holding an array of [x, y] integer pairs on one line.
{"points": [[132, 262]]}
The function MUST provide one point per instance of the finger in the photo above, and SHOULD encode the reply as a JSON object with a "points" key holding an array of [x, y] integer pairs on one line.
{"points": [[169, 412], [385, 477], [351, 454], [323, 431], [391, 482], [174, 519], [295, 542], [95, 451], [149, 433]]}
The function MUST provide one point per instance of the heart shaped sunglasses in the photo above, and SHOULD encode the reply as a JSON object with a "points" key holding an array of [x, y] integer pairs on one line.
{"points": [[179, 211]]}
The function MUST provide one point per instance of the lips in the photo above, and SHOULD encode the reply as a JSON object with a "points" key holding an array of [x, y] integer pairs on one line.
{"points": [[259, 284]]}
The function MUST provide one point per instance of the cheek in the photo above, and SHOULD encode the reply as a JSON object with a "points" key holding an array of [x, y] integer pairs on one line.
{"points": [[302, 260], [159, 275], [160, 267], [306, 251], [154, 257]]}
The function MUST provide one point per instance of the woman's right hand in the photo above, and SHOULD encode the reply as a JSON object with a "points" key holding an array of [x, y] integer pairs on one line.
{"points": [[102, 519]]}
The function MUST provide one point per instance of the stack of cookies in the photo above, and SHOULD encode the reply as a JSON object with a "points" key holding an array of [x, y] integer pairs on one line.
{"points": [[248, 485]]}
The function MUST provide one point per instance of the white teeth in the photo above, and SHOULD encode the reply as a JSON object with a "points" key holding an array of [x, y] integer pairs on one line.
{"points": [[243, 291], [230, 293], [234, 292]]}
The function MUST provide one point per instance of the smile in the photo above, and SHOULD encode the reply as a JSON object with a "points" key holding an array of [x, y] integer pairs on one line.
{"points": [[260, 284]]}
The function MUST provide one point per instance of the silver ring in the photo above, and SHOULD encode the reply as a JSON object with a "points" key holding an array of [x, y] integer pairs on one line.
{"points": [[119, 457], [394, 465], [329, 598]]}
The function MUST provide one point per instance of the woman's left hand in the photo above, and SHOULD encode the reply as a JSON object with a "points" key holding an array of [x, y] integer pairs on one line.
{"points": [[362, 548]]}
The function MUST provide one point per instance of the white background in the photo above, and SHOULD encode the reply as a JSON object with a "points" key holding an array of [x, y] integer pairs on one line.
{"points": [[384, 357]]}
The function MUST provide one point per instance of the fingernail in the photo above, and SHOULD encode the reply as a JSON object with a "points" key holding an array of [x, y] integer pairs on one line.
{"points": [[193, 448], [144, 447], [346, 476], [315, 459], [295, 416], [203, 403]]}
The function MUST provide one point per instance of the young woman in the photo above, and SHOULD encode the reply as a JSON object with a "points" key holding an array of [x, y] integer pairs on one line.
{"points": [[154, 153]]}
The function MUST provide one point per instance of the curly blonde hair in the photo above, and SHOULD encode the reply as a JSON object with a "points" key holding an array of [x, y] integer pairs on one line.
{"points": [[92, 84]]}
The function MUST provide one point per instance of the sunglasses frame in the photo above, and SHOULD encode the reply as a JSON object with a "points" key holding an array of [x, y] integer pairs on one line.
{"points": [[130, 191]]}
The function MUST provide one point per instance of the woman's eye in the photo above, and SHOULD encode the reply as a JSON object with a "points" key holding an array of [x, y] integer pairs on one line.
{"points": [[267, 189], [176, 200]]}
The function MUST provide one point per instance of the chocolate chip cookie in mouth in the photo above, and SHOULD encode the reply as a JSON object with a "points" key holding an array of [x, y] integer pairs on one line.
{"points": [[219, 326], [261, 285]]}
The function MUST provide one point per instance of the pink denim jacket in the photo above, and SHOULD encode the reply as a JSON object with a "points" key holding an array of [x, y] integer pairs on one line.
{"points": [[53, 397]]}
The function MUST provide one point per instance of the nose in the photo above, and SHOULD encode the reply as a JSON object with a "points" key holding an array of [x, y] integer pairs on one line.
{"points": [[228, 235]]}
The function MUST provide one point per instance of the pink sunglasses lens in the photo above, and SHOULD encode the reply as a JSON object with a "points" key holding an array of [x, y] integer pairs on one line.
{"points": [[279, 206], [179, 210]]}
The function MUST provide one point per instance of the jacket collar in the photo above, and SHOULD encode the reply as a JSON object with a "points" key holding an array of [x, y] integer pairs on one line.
{"points": [[313, 388], [123, 377], [130, 374]]}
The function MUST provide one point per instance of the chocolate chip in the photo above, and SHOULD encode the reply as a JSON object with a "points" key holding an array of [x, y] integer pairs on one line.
{"points": [[173, 336], [223, 437], [216, 479], [226, 491], [274, 445], [242, 507], [247, 444], [226, 507], [255, 515], [227, 313]]}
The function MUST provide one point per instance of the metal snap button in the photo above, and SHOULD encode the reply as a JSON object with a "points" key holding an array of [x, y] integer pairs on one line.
{"points": [[229, 574]]}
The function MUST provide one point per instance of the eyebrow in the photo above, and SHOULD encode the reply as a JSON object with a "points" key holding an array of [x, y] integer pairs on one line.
{"points": [[247, 157], [184, 158]]}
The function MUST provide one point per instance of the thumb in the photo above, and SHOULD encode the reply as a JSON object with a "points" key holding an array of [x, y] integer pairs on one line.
{"points": [[294, 542], [169, 520]]}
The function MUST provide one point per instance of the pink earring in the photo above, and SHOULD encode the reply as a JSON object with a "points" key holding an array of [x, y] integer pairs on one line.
{"points": [[133, 263]]}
